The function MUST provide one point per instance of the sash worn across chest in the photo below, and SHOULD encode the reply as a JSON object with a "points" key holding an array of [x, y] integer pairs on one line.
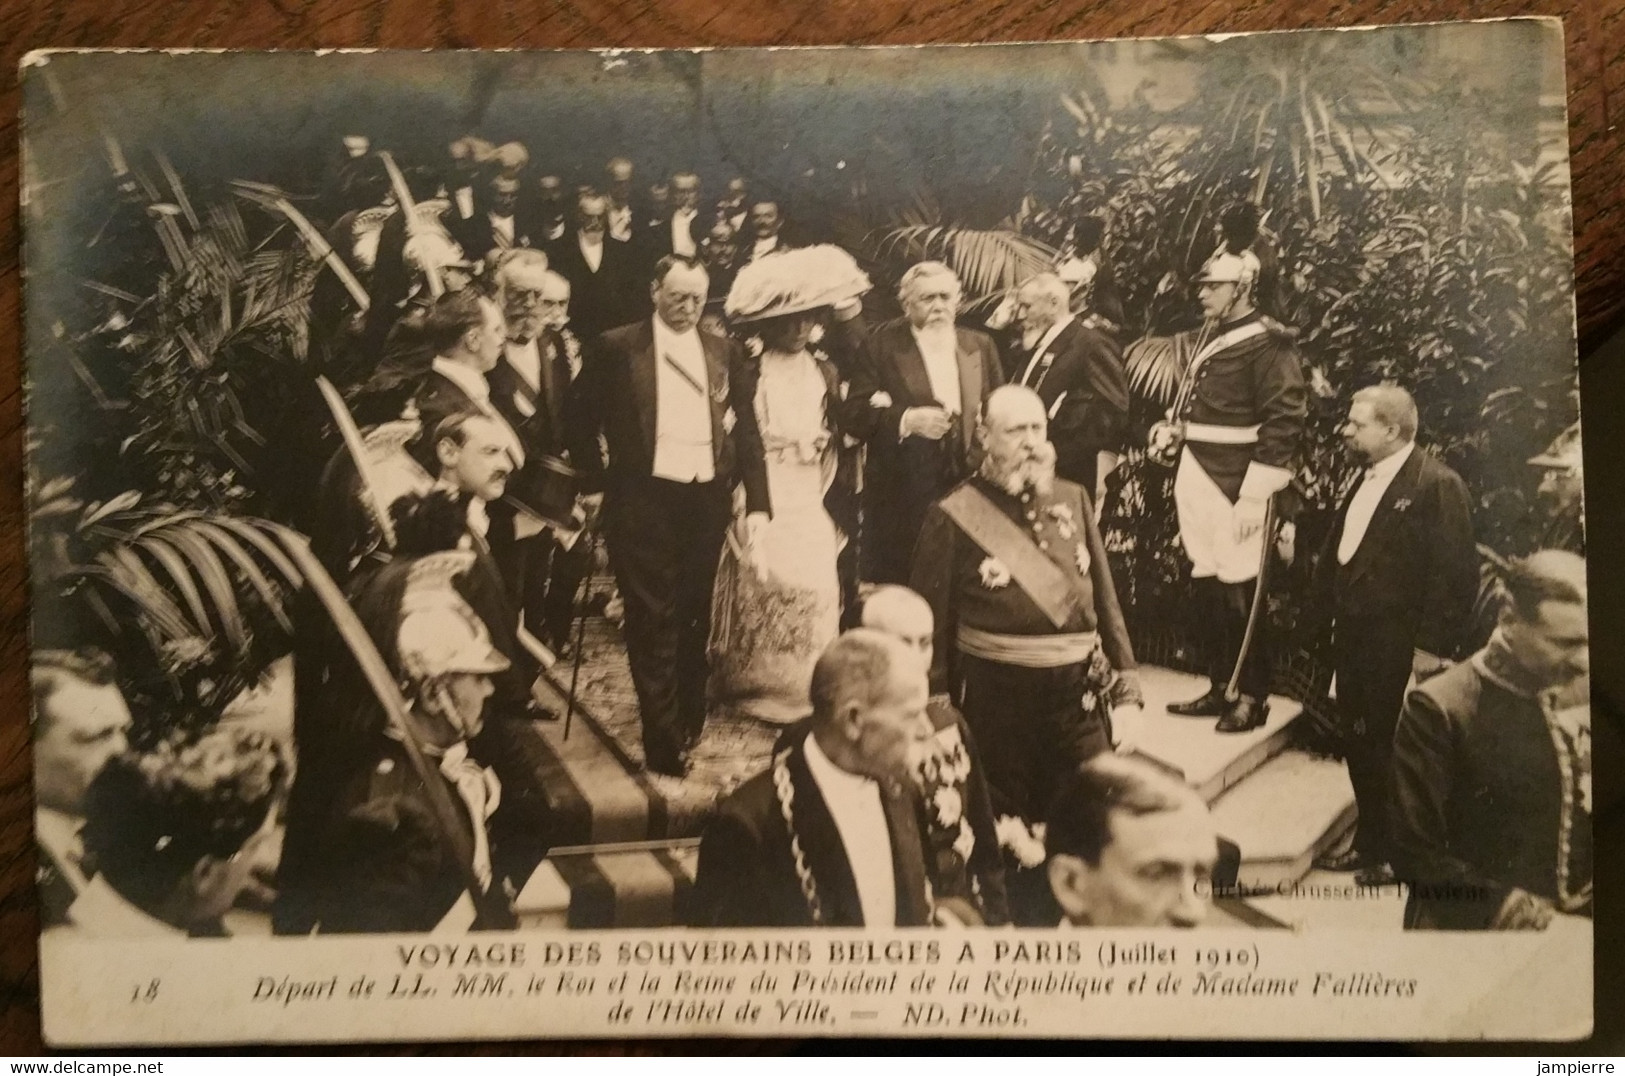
{"points": [[1040, 578]]}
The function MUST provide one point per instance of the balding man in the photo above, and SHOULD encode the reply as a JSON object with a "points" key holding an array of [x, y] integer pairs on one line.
{"points": [[829, 834], [1030, 637], [916, 392], [670, 405], [603, 283], [1128, 845], [1492, 767], [1078, 372], [1398, 575], [963, 845]]}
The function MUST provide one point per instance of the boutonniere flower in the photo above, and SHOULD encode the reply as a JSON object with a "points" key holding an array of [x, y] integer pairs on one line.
{"points": [[815, 335], [948, 805], [755, 346], [880, 400], [965, 843], [994, 574], [1027, 845], [1082, 558], [1062, 515], [572, 346], [1402, 504]]}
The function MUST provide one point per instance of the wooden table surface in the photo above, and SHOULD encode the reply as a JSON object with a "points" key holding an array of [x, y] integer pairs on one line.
{"points": [[1595, 45]]}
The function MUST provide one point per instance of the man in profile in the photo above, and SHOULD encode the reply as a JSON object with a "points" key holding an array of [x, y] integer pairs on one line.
{"points": [[963, 844], [80, 722], [1492, 767], [1128, 845], [828, 834]]}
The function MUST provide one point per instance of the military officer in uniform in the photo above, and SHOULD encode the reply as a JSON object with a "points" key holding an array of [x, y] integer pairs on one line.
{"points": [[1030, 638], [1233, 432]]}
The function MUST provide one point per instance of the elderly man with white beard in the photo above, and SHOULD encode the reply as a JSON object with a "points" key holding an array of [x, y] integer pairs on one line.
{"points": [[1030, 637]]}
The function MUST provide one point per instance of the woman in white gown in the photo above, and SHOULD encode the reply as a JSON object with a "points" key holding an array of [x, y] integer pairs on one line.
{"points": [[777, 602]]}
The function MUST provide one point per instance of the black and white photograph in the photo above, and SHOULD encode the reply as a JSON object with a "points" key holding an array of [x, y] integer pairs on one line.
{"points": [[976, 496]]}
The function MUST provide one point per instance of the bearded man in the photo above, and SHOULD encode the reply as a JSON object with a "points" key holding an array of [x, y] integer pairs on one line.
{"points": [[1030, 638], [918, 386]]}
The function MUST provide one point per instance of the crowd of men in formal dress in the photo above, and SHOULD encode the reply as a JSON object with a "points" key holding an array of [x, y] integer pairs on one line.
{"points": [[982, 711]]}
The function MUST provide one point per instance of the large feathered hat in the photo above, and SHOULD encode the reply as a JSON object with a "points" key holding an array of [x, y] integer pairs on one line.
{"points": [[794, 281]]}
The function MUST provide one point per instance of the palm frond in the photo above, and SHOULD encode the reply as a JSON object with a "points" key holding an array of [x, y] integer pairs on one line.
{"points": [[151, 599], [222, 593], [1154, 367], [262, 544], [232, 549], [989, 262], [170, 559]]}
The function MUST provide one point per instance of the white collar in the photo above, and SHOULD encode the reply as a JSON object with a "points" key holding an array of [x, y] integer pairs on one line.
{"points": [[466, 378], [1052, 332], [100, 911], [836, 783], [666, 336], [1385, 469]]}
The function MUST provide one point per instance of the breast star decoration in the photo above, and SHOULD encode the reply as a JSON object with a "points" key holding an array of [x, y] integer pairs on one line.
{"points": [[994, 574]]}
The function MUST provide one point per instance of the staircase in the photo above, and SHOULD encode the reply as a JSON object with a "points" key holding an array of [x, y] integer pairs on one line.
{"points": [[628, 846]]}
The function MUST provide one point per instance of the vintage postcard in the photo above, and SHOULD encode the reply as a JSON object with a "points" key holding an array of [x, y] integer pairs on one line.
{"points": [[1070, 539]]}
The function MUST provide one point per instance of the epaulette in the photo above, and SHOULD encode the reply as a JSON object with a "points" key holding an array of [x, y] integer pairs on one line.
{"points": [[1278, 328]]}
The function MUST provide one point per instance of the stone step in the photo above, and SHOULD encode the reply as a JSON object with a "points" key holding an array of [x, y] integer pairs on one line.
{"points": [[1288, 811], [631, 884], [1210, 761]]}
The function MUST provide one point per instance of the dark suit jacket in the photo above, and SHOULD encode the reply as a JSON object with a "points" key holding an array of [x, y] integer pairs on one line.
{"points": [[1081, 379], [379, 861], [747, 874], [903, 477], [1416, 568], [656, 239], [477, 236], [537, 416], [616, 395], [1478, 802], [614, 295]]}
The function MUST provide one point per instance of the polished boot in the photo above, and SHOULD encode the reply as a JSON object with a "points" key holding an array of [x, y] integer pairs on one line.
{"points": [[1212, 704], [1244, 715]]}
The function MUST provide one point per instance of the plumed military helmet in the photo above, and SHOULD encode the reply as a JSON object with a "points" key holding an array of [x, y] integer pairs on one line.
{"points": [[440, 634], [1234, 262]]}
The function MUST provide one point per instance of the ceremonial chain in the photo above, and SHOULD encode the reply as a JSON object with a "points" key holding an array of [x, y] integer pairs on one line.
{"points": [[786, 795], [1567, 750]]}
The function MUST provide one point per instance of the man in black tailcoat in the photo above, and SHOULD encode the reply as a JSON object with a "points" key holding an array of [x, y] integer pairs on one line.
{"points": [[916, 392], [681, 435], [1397, 576], [600, 270], [1078, 372], [829, 834]]}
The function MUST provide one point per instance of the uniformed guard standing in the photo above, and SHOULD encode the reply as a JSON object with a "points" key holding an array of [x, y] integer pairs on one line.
{"points": [[1233, 432]]}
